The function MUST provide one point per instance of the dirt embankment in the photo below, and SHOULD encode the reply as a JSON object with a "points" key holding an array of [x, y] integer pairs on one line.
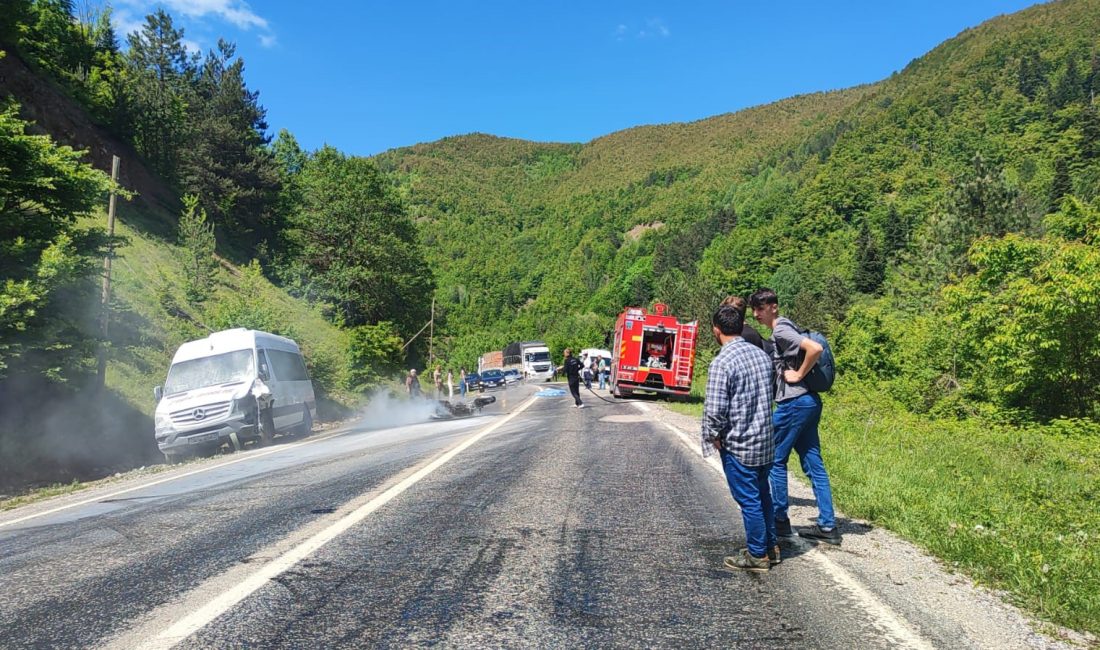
{"points": [[56, 114]]}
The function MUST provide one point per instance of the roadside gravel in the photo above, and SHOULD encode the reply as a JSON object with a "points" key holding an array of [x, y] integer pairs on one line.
{"points": [[915, 585]]}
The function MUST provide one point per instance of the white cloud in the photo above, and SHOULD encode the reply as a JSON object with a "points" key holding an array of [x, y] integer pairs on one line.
{"points": [[657, 26], [654, 28], [235, 12], [126, 23], [191, 46]]}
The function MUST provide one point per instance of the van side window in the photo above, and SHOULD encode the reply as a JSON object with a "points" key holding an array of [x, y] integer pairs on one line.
{"points": [[288, 366], [264, 367]]}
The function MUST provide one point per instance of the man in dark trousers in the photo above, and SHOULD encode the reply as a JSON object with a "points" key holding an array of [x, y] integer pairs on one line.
{"points": [[737, 421], [572, 368]]}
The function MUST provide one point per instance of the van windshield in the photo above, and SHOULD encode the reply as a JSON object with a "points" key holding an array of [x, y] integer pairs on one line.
{"points": [[209, 371]]}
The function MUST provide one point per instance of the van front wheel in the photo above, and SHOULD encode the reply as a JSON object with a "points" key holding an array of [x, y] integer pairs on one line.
{"points": [[267, 427]]}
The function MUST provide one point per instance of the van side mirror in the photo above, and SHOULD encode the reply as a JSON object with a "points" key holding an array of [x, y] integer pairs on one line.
{"points": [[158, 393], [264, 374]]}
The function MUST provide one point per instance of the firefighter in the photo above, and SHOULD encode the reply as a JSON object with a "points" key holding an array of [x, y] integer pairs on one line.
{"points": [[572, 369]]}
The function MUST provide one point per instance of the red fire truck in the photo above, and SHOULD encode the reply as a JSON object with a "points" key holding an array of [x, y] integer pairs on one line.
{"points": [[653, 353]]}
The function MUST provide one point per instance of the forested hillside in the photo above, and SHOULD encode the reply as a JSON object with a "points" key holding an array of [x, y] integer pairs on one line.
{"points": [[939, 225]]}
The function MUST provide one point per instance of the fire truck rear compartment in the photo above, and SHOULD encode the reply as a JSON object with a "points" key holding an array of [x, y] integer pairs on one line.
{"points": [[656, 350]]}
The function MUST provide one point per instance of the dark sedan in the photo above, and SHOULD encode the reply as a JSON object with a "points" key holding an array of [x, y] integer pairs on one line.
{"points": [[492, 378]]}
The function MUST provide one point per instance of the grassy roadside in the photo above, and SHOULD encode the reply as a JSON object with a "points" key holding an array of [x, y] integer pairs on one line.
{"points": [[1014, 507], [57, 489]]}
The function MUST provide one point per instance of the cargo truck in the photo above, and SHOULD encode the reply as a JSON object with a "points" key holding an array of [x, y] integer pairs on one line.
{"points": [[531, 358]]}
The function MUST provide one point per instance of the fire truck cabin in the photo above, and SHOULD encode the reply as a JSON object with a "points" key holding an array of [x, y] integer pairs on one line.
{"points": [[653, 353]]}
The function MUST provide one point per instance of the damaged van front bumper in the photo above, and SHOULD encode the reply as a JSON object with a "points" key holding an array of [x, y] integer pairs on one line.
{"points": [[171, 439]]}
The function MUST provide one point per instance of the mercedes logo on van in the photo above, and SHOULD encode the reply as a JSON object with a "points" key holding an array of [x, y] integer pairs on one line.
{"points": [[199, 414]]}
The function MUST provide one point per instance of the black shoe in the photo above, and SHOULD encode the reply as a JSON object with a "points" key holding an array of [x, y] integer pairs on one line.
{"points": [[815, 532], [783, 528]]}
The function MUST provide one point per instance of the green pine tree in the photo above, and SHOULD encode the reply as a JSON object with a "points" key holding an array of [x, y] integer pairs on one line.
{"points": [[1061, 186], [160, 79], [870, 271], [896, 232], [196, 237], [226, 161]]}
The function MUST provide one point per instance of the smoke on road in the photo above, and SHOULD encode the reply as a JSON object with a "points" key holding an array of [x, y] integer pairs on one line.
{"points": [[386, 409]]}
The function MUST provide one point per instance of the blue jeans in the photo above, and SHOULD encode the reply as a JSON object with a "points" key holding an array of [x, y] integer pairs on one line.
{"points": [[749, 487], [603, 379], [796, 428], [462, 388]]}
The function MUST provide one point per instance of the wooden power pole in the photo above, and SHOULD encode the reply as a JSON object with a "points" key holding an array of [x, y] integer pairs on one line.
{"points": [[431, 337], [105, 298]]}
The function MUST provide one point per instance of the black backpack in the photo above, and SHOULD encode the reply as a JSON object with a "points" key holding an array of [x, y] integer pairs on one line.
{"points": [[821, 377]]}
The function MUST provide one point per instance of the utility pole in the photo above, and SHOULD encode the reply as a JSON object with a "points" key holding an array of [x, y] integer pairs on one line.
{"points": [[105, 298], [431, 337]]}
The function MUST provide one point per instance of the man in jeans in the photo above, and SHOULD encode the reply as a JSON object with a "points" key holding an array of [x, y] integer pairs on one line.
{"points": [[797, 414], [737, 421]]}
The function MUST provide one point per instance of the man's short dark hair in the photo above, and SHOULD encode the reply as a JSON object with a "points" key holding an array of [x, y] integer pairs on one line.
{"points": [[763, 296], [729, 320]]}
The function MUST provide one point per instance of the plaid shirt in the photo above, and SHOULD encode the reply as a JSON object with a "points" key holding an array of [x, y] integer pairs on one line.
{"points": [[738, 407]]}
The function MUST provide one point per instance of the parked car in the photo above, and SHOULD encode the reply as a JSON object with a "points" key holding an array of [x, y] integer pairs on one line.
{"points": [[473, 381], [512, 376], [492, 378]]}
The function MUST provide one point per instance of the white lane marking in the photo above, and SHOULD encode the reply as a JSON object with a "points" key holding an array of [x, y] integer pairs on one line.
{"points": [[241, 459], [171, 478], [185, 627], [881, 615]]}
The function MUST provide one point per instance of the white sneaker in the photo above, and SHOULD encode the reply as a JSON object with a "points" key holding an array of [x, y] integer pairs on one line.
{"points": [[580, 406]]}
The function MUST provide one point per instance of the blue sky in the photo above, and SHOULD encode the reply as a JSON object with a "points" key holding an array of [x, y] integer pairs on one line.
{"points": [[369, 76]]}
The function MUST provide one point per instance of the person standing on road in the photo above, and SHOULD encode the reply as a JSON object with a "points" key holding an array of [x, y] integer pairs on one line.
{"points": [[412, 384], [748, 333], [450, 384], [797, 414], [462, 382], [737, 421], [605, 372], [572, 369], [586, 371]]}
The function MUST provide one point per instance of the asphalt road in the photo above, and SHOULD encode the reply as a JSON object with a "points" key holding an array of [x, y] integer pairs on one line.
{"points": [[555, 527]]}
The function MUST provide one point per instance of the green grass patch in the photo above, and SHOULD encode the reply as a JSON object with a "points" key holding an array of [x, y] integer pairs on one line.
{"points": [[1014, 507], [41, 493]]}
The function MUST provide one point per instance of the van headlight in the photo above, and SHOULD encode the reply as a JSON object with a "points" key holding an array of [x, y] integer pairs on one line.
{"points": [[162, 422]]}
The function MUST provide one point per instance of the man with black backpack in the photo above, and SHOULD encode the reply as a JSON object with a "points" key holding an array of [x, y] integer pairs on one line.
{"points": [[797, 414]]}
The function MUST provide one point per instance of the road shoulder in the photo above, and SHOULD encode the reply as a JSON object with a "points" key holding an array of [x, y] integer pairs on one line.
{"points": [[920, 588]]}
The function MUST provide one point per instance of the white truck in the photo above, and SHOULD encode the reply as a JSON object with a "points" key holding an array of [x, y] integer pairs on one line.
{"points": [[531, 358], [232, 386]]}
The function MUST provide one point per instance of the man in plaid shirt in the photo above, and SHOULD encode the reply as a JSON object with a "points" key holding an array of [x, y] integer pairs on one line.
{"points": [[737, 421]]}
